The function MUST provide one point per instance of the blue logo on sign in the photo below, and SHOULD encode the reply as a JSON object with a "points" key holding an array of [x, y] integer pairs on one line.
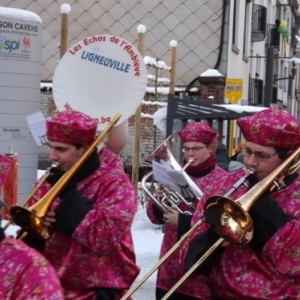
{"points": [[9, 45]]}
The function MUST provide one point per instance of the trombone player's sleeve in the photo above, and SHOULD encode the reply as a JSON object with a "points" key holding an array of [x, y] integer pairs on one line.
{"points": [[100, 225], [267, 217], [198, 246]]}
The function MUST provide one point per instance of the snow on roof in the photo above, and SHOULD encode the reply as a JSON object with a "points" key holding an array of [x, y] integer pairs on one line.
{"points": [[158, 90], [296, 60], [241, 108], [17, 13], [162, 65], [160, 80], [158, 103], [211, 73], [165, 90], [143, 115], [150, 90], [163, 80], [46, 85], [150, 61], [151, 77]]}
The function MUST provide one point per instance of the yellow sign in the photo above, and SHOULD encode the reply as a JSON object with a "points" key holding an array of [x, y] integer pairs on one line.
{"points": [[234, 89]]}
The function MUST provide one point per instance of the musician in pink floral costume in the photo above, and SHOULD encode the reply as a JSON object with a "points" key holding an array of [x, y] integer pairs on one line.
{"points": [[24, 272], [198, 141], [268, 267], [91, 245]]}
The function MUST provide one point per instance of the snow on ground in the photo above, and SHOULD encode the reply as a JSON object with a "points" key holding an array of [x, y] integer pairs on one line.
{"points": [[147, 240]]}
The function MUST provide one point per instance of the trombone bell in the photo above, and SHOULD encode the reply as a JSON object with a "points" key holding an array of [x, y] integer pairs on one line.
{"points": [[229, 219], [29, 221]]}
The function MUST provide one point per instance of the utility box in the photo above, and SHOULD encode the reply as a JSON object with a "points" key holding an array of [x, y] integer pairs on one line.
{"points": [[20, 76]]}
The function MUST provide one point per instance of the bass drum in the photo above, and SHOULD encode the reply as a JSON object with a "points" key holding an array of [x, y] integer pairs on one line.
{"points": [[100, 76]]}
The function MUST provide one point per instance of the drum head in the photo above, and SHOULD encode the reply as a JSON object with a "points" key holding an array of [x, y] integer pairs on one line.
{"points": [[100, 76]]}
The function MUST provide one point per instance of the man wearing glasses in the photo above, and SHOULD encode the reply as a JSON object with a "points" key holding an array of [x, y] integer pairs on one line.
{"points": [[198, 141], [268, 267]]}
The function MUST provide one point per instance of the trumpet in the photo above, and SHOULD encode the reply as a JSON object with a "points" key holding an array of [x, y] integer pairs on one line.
{"points": [[223, 213], [241, 181]]}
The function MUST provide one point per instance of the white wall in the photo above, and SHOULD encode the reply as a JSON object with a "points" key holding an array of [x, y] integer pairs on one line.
{"points": [[238, 63]]}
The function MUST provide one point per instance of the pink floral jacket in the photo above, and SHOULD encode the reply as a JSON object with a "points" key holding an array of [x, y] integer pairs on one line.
{"points": [[171, 271], [26, 274], [273, 273], [100, 252]]}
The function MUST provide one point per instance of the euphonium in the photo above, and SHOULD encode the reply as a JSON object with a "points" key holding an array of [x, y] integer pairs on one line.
{"points": [[230, 219], [183, 191], [31, 219], [171, 198]]}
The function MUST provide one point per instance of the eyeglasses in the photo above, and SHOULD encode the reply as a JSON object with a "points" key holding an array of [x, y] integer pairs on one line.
{"points": [[193, 149], [260, 156]]}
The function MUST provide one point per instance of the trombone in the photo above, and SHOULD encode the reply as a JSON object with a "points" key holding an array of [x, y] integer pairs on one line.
{"points": [[31, 219], [30, 196], [183, 239], [223, 213]]}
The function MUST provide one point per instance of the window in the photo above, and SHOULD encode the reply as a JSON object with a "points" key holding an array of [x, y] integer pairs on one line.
{"points": [[285, 80], [247, 21], [281, 74], [235, 23]]}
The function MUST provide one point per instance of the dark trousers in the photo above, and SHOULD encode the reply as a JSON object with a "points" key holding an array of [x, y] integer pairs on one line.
{"points": [[214, 297], [106, 294], [175, 296]]}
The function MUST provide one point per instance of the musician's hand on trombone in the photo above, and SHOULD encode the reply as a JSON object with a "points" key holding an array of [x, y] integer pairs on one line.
{"points": [[49, 219], [225, 244], [171, 217]]}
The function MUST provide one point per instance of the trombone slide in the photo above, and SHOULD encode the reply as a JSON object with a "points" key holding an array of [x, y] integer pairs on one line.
{"points": [[181, 241], [194, 267], [163, 259]]}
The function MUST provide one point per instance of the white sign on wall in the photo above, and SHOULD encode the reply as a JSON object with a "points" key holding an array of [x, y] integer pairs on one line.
{"points": [[13, 133], [20, 76], [18, 38]]}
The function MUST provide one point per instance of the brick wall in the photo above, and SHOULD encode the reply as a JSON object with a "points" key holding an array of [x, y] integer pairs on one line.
{"points": [[217, 90]]}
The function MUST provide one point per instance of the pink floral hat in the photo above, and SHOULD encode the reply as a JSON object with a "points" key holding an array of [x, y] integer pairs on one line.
{"points": [[72, 127], [271, 127], [198, 132], [5, 165]]}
